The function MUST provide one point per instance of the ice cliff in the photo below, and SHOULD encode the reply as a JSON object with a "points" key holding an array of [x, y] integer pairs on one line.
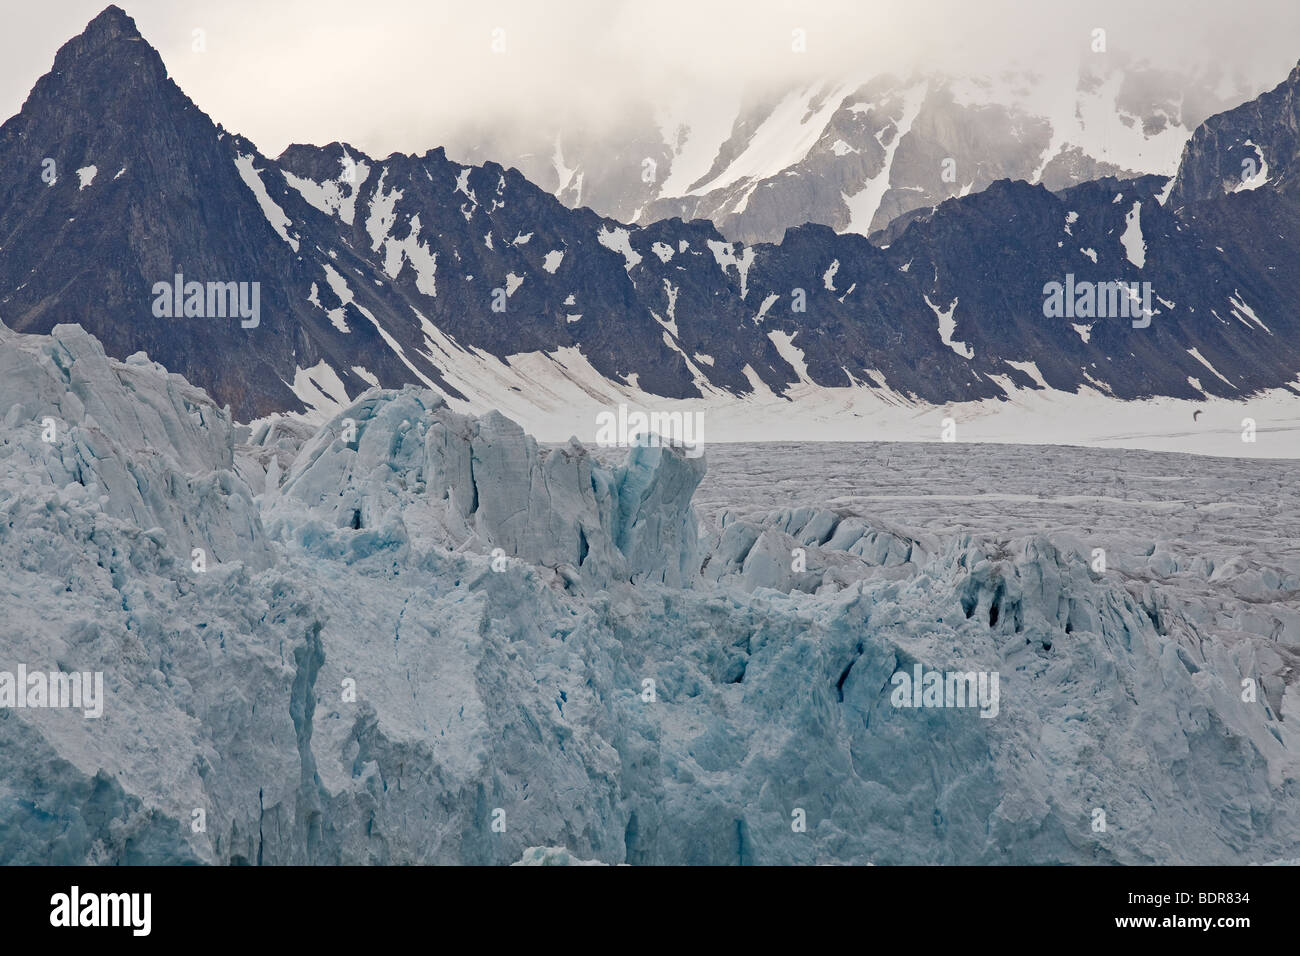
{"points": [[419, 637], [403, 461]]}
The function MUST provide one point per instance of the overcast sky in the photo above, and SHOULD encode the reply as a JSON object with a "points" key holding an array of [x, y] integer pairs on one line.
{"points": [[410, 74]]}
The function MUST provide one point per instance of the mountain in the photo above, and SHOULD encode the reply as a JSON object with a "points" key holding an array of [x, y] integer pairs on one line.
{"points": [[854, 155], [145, 186], [475, 282], [1255, 145]]}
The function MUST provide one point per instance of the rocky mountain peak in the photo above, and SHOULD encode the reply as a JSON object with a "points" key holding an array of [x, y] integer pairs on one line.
{"points": [[111, 45], [1256, 145]]}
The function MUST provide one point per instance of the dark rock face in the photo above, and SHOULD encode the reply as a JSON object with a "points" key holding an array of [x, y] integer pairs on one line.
{"points": [[366, 264], [1206, 281], [92, 255], [1256, 142]]}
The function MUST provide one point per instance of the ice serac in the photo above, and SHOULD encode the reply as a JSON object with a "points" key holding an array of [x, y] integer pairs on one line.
{"points": [[147, 447], [811, 549], [403, 459], [365, 681], [655, 524], [552, 856]]}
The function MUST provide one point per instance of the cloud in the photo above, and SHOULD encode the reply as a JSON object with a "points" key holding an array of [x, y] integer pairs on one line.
{"points": [[411, 74]]}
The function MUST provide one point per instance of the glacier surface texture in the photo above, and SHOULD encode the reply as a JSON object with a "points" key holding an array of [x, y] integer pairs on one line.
{"points": [[415, 636]]}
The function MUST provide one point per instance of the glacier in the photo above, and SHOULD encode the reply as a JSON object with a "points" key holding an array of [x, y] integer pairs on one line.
{"points": [[411, 635]]}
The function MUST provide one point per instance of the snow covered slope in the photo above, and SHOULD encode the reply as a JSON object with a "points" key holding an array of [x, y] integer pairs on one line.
{"points": [[419, 637], [856, 153]]}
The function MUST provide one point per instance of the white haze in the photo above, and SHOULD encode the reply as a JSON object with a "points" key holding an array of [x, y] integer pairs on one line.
{"points": [[404, 75]]}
